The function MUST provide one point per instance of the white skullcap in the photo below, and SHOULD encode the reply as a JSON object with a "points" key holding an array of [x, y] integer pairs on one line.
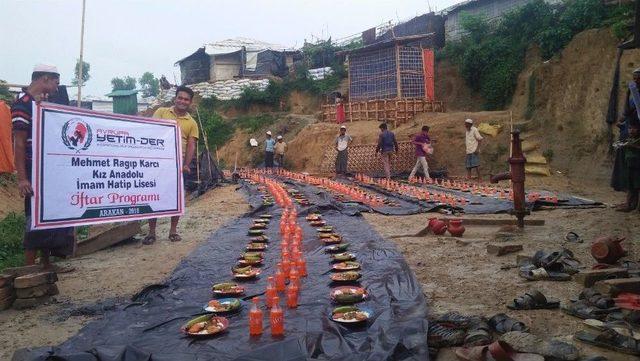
{"points": [[279, 137], [343, 127], [468, 121], [45, 68], [268, 132]]}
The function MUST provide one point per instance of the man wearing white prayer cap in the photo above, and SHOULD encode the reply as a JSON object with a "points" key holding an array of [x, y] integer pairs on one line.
{"points": [[57, 242]]}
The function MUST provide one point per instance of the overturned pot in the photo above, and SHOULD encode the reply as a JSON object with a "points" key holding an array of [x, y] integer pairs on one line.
{"points": [[607, 249]]}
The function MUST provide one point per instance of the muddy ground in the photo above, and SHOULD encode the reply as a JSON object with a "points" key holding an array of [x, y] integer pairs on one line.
{"points": [[455, 275]]}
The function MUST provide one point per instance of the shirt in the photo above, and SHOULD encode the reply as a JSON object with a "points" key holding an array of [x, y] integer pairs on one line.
{"points": [[269, 145], [21, 112], [421, 138], [280, 147], [342, 142], [188, 126], [387, 142], [471, 139]]}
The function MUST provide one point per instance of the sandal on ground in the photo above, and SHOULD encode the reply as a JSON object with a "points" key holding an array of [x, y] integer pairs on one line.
{"points": [[583, 310], [498, 350], [479, 333], [502, 323], [539, 274], [597, 299], [533, 300], [149, 240], [175, 237], [456, 319], [442, 336], [530, 343], [610, 339], [572, 237], [620, 327]]}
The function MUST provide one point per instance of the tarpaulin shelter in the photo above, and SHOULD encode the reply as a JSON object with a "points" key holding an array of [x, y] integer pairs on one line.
{"points": [[236, 58]]}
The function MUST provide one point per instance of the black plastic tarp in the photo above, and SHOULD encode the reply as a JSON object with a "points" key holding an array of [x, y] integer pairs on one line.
{"points": [[149, 328]]}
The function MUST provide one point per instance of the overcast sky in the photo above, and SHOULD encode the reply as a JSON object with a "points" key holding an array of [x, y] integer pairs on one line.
{"points": [[131, 37]]}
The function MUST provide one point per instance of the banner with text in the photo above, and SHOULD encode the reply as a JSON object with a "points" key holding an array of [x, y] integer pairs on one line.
{"points": [[92, 167]]}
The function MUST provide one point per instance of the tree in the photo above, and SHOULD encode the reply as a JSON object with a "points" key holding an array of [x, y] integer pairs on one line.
{"points": [[126, 83], [85, 72], [150, 85]]}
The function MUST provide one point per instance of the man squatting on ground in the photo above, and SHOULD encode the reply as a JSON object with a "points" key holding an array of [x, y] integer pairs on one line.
{"points": [[472, 142], [58, 242], [421, 141], [386, 145], [342, 144], [189, 134]]}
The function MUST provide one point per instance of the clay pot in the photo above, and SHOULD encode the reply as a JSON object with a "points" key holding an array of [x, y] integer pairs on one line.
{"points": [[456, 228], [431, 222], [607, 249], [439, 227]]}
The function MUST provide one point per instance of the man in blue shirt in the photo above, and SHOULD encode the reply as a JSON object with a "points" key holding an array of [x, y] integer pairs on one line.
{"points": [[421, 141], [269, 147], [386, 145]]}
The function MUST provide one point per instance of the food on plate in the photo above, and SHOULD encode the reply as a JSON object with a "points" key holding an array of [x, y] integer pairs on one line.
{"points": [[256, 232], [205, 326], [318, 223], [245, 271], [313, 217], [332, 239], [255, 246], [349, 314], [337, 248], [223, 305], [345, 276], [346, 266], [227, 288], [258, 226], [348, 294], [261, 238], [325, 229], [266, 216], [344, 256]]}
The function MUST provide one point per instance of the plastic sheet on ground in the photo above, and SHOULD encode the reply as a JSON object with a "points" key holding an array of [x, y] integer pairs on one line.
{"points": [[149, 328]]}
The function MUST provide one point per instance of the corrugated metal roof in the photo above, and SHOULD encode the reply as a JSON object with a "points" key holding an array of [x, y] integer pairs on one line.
{"points": [[122, 93]]}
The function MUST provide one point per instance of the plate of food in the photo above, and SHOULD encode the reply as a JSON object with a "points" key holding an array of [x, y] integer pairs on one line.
{"points": [[223, 305], [261, 220], [313, 217], [325, 229], [266, 216], [252, 255], [348, 294], [256, 246], [318, 223], [337, 248], [256, 232], [249, 262], [228, 289], [262, 238], [205, 326], [346, 266], [350, 314], [344, 256], [348, 276], [258, 226], [244, 272], [333, 239]]}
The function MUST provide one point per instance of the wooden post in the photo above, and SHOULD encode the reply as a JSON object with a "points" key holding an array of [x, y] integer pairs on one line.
{"points": [[350, 112], [80, 65]]}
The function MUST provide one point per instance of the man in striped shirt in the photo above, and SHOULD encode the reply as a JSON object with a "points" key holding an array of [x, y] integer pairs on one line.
{"points": [[58, 242]]}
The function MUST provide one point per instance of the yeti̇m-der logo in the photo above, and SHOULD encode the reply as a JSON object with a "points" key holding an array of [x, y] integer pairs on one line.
{"points": [[77, 134]]}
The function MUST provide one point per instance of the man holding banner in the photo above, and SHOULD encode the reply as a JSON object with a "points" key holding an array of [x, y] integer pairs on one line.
{"points": [[57, 242], [189, 135]]}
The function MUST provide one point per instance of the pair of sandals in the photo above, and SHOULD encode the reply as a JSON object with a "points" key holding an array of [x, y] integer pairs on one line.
{"points": [[499, 351], [150, 239], [533, 300], [590, 305], [449, 329], [620, 337], [554, 266], [479, 332]]}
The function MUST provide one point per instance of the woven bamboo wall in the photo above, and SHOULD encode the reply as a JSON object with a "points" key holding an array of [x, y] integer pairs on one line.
{"points": [[363, 159], [392, 110]]}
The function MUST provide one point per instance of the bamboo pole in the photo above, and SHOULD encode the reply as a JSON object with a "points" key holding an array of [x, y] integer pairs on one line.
{"points": [[80, 65]]}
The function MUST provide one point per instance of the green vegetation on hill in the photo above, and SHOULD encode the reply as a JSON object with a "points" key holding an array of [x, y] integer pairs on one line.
{"points": [[11, 232], [491, 55]]}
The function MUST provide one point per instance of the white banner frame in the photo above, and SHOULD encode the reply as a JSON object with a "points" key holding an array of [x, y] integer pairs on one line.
{"points": [[116, 211]]}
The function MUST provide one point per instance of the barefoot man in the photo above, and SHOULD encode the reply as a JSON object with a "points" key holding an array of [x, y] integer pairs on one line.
{"points": [[473, 139]]}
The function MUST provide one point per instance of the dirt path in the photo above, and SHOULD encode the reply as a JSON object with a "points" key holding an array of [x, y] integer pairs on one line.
{"points": [[118, 271], [462, 277]]}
